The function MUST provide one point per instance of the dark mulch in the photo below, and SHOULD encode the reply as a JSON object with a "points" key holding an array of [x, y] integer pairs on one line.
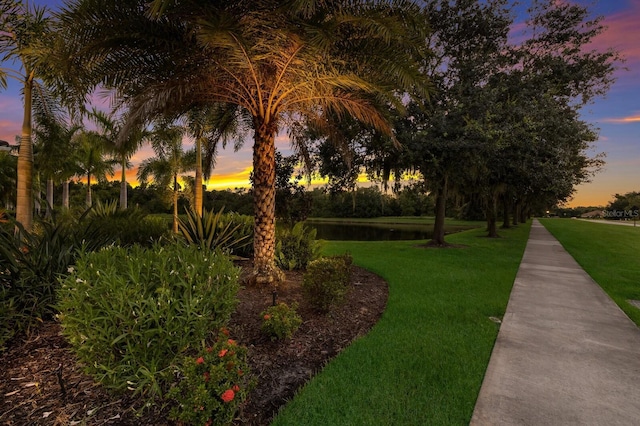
{"points": [[41, 382]]}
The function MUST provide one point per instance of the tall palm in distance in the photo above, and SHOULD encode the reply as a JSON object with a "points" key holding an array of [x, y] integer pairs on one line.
{"points": [[121, 147], [280, 62], [169, 162], [54, 151], [91, 159], [210, 126]]}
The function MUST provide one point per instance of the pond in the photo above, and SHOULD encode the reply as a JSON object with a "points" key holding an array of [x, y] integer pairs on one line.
{"points": [[357, 231]]}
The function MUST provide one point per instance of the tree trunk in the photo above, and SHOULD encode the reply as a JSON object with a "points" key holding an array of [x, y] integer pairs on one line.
{"points": [[38, 197], [264, 204], [175, 203], [505, 212], [438, 224], [24, 198], [49, 197], [88, 200], [492, 208], [123, 185], [516, 213], [65, 194], [197, 190]]}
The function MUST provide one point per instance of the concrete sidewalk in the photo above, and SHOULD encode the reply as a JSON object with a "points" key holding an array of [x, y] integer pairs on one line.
{"points": [[565, 354]]}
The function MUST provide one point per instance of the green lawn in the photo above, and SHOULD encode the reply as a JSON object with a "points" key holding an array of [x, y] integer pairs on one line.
{"points": [[396, 220], [423, 363], [609, 253]]}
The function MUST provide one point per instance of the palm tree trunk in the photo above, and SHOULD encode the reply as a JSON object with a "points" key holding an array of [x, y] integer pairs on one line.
{"points": [[123, 185], [175, 203], [49, 197], [37, 196], [65, 194], [264, 204], [88, 199], [197, 190], [24, 198]]}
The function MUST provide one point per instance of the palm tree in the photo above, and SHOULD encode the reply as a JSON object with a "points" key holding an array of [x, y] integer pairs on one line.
{"points": [[91, 160], [121, 147], [169, 162], [280, 62], [24, 39], [53, 149], [209, 126]]}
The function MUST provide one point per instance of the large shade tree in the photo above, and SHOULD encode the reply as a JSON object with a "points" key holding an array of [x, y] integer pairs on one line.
{"points": [[279, 61]]}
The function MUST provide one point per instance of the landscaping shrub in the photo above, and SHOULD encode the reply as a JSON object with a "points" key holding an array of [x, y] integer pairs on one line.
{"points": [[326, 281], [213, 384], [280, 321], [127, 227], [215, 230], [129, 313], [31, 262], [296, 247]]}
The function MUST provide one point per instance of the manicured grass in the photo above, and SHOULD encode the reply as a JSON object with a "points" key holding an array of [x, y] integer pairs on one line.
{"points": [[609, 253], [395, 220], [423, 363]]}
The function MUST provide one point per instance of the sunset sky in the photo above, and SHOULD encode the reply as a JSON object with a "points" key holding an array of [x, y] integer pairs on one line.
{"points": [[617, 116]]}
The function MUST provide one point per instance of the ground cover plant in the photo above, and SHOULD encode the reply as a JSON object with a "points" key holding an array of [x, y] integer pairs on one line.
{"points": [[608, 253], [423, 363]]}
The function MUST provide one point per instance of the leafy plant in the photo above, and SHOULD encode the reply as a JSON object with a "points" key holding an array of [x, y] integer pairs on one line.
{"points": [[280, 321], [212, 385], [326, 282], [127, 227], [31, 262], [296, 247], [130, 312], [212, 231]]}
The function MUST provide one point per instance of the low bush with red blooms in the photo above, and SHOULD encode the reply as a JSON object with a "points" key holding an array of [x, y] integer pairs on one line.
{"points": [[281, 321], [212, 384]]}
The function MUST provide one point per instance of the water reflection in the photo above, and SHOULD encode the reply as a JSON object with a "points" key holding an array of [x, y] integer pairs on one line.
{"points": [[377, 232]]}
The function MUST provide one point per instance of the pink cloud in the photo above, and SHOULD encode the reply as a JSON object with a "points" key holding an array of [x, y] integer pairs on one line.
{"points": [[623, 120], [623, 33]]}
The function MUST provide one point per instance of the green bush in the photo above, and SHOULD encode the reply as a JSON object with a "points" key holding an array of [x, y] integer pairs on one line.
{"points": [[31, 262], [296, 247], [213, 384], [326, 282], [127, 227], [214, 231], [129, 313], [280, 321]]}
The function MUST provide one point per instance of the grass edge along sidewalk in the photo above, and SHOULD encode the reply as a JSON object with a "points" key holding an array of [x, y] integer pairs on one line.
{"points": [[609, 254], [424, 362]]}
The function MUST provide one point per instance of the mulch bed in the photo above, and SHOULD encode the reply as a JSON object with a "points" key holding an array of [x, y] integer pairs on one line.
{"points": [[41, 382]]}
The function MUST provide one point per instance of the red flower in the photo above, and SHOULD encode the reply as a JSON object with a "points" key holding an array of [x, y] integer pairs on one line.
{"points": [[224, 331], [267, 316], [236, 388], [231, 342], [200, 360], [240, 372], [228, 395], [222, 353], [207, 376]]}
